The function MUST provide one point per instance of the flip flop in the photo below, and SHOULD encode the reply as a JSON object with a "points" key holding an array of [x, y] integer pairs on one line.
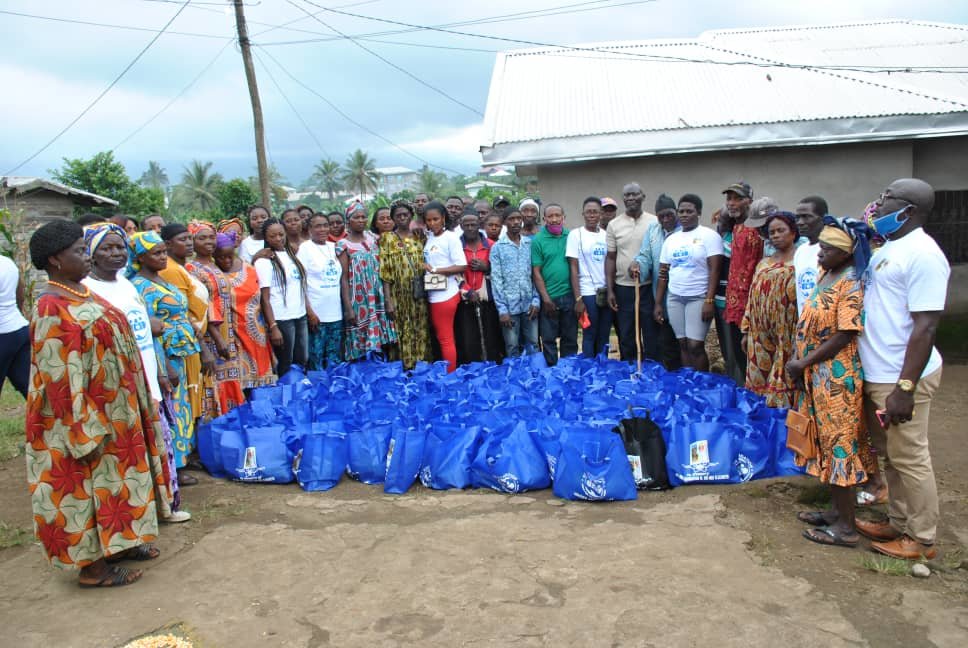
{"points": [[813, 518], [826, 535], [139, 553], [116, 577], [186, 480]]}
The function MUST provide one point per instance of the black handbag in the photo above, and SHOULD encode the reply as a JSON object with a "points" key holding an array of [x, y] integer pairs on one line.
{"points": [[417, 285], [646, 451]]}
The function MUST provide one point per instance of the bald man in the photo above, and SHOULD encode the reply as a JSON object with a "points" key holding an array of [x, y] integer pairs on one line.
{"points": [[905, 286]]}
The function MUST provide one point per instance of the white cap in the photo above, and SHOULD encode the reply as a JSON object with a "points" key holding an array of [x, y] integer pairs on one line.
{"points": [[528, 202]]}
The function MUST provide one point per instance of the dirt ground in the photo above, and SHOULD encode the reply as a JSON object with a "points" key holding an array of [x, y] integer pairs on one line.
{"points": [[719, 565]]}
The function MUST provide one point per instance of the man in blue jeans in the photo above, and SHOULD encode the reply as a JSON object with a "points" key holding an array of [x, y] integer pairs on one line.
{"points": [[552, 279], [514, 294]]}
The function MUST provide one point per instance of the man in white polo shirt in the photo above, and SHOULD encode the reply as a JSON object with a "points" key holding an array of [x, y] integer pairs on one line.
{"points": [[905, 286]]}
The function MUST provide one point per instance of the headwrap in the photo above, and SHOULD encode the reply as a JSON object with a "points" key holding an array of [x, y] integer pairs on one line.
{"points": [[224, 225], [225, 239], [664, 202], [838, 238], [140, 243], [860, 235], [355, 207], [52, 238], [94, 235], [787, 217], [197, 226]]}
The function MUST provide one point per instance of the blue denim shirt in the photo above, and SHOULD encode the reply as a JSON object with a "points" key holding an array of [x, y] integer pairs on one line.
{"points": [[514, 291], [648, 256]]}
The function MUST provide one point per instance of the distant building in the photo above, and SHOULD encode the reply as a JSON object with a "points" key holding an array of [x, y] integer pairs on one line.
{"points": [[396, 178], [43, 200], [473, 187]]}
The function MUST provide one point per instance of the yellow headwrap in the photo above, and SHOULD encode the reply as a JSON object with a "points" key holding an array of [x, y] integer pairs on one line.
{"points": [[838, 238]]}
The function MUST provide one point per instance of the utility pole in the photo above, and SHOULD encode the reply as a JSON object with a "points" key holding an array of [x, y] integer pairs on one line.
{"points": [[260, 130]]}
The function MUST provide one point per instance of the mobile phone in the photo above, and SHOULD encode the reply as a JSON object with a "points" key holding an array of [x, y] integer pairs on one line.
{"points": [[883, 418]]}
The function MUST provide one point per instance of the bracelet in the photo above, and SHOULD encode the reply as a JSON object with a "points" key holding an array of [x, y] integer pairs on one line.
{"points": [[709, 300], [273, 325]]}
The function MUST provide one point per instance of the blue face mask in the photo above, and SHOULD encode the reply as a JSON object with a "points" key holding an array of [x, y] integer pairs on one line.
{"points": [[889, 223]]}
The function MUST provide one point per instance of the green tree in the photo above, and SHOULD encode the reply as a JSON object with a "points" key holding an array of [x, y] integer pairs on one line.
{"points": [[105, 176], [326, 177], [430, 182], [234, 197], [155, 177], [404, 194], [359, 173], [198, 190]]}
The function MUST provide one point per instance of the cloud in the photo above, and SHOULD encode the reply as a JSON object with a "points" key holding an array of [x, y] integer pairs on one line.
{"points": [[459, 142]]}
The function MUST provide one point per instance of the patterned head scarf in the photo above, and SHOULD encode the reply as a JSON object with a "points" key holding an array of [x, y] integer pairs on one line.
{"points": [[94, 235], [197, 226], [225, 239], [355, 207], [838, 238], [225, 225], [140, 243]]}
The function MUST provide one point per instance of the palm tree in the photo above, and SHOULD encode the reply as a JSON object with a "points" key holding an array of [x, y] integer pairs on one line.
{"points": [[360, 173], [155, 177], [199, 186], [431, 182], [326, 176]]}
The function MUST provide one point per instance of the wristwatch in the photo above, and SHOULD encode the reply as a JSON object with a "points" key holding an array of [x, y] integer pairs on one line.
{"points": [[906, 386]]}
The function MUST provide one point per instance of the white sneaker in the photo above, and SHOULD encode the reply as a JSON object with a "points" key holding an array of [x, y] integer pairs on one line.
{"points": [[177, 516]]}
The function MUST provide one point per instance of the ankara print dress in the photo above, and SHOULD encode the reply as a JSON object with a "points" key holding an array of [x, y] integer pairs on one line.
{"points": [[373, 328], [770, 323], [88, 392], [834, 389], [255, 355]]}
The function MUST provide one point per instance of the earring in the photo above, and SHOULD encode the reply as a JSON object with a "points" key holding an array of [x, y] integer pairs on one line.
{"points": [[56, 266]]}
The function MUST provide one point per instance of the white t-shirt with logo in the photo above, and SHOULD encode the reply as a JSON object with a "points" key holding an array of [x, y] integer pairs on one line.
{"points": [[11, 319], [125, 297], [323, 274], [248, 247], [444, 251], [805, 269], [291, 304], [907, 275], [687, 254], [589, 249]]}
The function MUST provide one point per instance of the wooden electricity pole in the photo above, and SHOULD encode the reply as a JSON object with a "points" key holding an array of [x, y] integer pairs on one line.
{"points": [[260, 131]]}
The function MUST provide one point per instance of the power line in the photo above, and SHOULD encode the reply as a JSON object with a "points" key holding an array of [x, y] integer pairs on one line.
{"points": [[291, 105], [105, 91], [347, 117], [176, 97], [89, 23], [403, 70], [651, 57]]}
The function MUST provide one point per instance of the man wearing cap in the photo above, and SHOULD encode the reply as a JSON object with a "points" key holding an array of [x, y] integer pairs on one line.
{"points": [[529, 212], [609, 212], [905, 287], [746, 252], [623, 239], [500, 203]]}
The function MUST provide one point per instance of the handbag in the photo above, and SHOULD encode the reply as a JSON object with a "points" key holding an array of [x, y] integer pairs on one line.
{"points": [[601, 297], [801, 434], [434, 281], [417, 280]]}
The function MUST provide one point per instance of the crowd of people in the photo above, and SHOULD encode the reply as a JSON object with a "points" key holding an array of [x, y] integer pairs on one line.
{"points": [[145, 330]]}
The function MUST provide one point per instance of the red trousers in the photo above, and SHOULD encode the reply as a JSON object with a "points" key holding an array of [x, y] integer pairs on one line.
{"points": [[442, 316]]}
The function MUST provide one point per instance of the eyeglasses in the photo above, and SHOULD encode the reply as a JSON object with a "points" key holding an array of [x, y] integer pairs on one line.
{"points": [[886, 196]]}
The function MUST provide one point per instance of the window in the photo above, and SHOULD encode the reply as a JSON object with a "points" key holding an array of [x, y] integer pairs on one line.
{"points": [[948, 224]]}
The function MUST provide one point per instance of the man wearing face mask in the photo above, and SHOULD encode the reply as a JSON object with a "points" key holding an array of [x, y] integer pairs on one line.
{"points": [[905, 287], [552, 279]]}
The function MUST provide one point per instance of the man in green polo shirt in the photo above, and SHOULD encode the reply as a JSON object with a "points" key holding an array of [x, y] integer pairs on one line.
{"points": [[552, 279]]}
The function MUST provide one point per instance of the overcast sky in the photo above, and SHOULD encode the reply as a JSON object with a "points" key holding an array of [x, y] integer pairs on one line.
{"points": [[52, 70]]}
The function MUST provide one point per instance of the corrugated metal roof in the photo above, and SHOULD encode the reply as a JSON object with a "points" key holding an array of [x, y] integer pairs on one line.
{"points": [[680, 86], [25, 184]]}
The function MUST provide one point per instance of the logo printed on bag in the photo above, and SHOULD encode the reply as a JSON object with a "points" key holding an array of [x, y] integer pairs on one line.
{"points": [[592, 488], [552, 464], [636, 462], [250, 470], [744, 467], [699, 453], [425, 477], [510, 483]]}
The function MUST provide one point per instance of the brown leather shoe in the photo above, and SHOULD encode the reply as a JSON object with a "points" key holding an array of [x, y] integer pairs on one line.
{"points": [[906, 548], [881, 531]]}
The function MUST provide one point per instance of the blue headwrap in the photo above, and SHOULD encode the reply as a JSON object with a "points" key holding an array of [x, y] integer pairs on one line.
{"points": [[861, 233], [140, 243], [94, 235]]}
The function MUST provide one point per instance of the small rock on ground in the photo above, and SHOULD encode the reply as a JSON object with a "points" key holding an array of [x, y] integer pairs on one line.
{"points": [[920, 570]]}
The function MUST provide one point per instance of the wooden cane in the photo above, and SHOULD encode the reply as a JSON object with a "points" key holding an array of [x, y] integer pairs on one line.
{"points": [[638, 331]]}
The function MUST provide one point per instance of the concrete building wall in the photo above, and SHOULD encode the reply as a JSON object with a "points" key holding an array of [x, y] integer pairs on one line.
{"points": [[942, 162]]}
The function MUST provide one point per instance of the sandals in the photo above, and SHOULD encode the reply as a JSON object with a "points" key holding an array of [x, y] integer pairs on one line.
{"points": [[115, 577], [186, 480], [139, 553], [827, 535], [813, 518]]}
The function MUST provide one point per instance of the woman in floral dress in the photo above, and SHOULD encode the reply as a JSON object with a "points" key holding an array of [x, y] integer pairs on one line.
{"points": [[401, 260], [368, 322], [771, 316], [95, 466], [827, 365]]}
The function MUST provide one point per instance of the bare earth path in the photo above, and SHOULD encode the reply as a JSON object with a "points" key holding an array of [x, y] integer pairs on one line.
{"points": [[725, 566]]}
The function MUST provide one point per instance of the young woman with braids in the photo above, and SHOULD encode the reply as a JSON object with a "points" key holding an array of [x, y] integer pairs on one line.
{"points": [[282, 280]]}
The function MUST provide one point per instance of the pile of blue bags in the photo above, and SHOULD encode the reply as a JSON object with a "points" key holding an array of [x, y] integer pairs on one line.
{"points": [[512, 427]]}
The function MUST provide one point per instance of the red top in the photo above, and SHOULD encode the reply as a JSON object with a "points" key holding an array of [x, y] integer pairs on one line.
{"points": [[747, 252], [473, 279]]}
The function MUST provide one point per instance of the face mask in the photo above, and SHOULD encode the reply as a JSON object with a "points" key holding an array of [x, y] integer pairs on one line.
{"points": [[555, 230], [889, 223]]}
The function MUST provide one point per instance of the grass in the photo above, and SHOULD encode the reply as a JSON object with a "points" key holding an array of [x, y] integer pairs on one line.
{"points": [[11, 423], [13, 536], [886, 565], [815, 495]]}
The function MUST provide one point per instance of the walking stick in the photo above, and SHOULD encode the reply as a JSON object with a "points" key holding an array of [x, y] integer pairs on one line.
{"points": [[480, 330], [638, 331]]}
